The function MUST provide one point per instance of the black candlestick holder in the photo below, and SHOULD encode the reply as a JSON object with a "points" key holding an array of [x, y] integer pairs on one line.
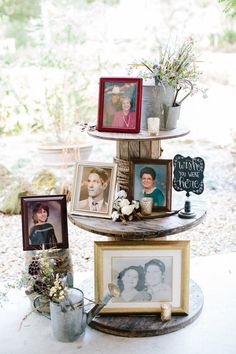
{"points": [[187, 213]]}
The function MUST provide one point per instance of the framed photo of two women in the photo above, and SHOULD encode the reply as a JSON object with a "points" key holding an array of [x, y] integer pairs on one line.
{"points": [[146, 273], [119, 106]]}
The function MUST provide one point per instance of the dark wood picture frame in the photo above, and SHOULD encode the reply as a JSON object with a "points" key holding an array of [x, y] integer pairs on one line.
{"points": [[117, 96], [162, 181], [54, 229]]}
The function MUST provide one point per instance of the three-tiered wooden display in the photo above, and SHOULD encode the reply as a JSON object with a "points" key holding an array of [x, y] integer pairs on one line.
{"points": [[142, 146]]}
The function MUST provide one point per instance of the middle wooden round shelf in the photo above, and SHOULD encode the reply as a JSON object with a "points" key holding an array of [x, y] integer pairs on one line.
{"points": [[139, 229]]}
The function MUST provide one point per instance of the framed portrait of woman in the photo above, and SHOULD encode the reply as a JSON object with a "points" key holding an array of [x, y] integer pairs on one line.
{"points": [[152, 178], [44, 222], [147, 274], [119, 105]]}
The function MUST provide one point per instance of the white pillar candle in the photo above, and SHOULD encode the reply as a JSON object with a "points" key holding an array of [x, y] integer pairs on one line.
{"points": [[166, 312], [153, 125]]}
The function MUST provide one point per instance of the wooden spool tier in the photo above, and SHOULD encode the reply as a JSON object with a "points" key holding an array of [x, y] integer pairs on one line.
{"points": [[150, 325], [142, 135], [136, 146], [140, 145], [145, 228]]}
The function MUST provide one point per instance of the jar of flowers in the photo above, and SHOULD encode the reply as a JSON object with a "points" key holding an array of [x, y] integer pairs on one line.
{"points": [[174, 72]]}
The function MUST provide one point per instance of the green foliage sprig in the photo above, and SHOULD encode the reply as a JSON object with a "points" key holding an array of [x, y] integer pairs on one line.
{"points": [[230, 7]]}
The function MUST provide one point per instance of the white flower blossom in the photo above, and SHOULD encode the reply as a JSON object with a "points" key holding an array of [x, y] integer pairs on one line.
{"points": [[136, 204], [121, 194], [124, 202], [127, 209], [115, 215], [52, 291]]}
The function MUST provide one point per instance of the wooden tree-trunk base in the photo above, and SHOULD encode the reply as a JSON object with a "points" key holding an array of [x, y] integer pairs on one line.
{"points": [[150, 325]]}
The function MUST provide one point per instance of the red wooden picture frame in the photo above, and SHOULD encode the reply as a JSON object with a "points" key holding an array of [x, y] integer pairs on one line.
{"points": [[119, 105]]}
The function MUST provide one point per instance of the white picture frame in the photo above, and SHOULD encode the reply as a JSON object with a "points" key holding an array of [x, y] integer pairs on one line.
{"points": [[94, 183]]}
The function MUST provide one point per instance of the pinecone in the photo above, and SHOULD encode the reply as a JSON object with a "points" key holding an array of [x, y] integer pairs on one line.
{"points": [[40, 287], [34, 267]]}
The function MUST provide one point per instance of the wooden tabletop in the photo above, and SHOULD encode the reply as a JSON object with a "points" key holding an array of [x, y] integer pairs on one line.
{"points": [[140, 229], [142, 135]]}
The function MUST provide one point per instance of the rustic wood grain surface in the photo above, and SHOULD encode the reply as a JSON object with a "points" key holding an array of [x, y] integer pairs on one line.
{"points": [[139, 229], [150, 325], [142, 135]]}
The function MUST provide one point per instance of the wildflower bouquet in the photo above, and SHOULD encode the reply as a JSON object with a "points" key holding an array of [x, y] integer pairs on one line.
{"points": [[176, 67], [124, 210], [59, 291], [42, 279]]}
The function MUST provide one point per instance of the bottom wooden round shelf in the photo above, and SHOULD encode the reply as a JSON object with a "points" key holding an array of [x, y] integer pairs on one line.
{"points": [[150, 325]]}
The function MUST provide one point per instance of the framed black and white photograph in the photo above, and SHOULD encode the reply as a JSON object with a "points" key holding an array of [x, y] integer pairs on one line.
{"points": [[147, 274], [152, 178], [93, 189], [119, 107], [44, 222]]}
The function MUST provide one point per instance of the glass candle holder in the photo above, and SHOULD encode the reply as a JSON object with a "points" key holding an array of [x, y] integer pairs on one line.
{"points": [[146, 204], [153, 124]]}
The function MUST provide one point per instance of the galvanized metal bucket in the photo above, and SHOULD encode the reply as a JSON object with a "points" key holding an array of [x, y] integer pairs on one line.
{"points": [[153, 100], [68, 321], [68, 318], [170, 117]]}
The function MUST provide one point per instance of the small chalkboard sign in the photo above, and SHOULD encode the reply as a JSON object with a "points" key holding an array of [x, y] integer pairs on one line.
{"points": [[188, 176]]}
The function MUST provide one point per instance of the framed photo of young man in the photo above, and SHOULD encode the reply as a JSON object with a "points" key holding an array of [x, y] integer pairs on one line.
{"points": [[119, 106], [147, 274], [93, 189], [44, 222], [152, 178]]}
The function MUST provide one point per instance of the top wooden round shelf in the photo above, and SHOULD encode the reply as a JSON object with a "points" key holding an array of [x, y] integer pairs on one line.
{"points": [[139, 229], [142, 135]]}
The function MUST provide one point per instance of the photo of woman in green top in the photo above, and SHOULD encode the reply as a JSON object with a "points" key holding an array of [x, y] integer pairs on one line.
{"points": [[152, 178], [148, 176]]}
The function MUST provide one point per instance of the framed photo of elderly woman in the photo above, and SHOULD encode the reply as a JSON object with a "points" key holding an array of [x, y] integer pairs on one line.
{"points": [[93, 189], [152, 178], [44, 222], [147, 275], [119, 105]]}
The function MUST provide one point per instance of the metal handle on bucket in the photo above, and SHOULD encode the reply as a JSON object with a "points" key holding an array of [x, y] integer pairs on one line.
{"points": [[36, 305]]}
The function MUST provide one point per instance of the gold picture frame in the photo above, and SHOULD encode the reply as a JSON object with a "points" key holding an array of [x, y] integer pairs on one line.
{"points": [[93, 189], [148, 274]]}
